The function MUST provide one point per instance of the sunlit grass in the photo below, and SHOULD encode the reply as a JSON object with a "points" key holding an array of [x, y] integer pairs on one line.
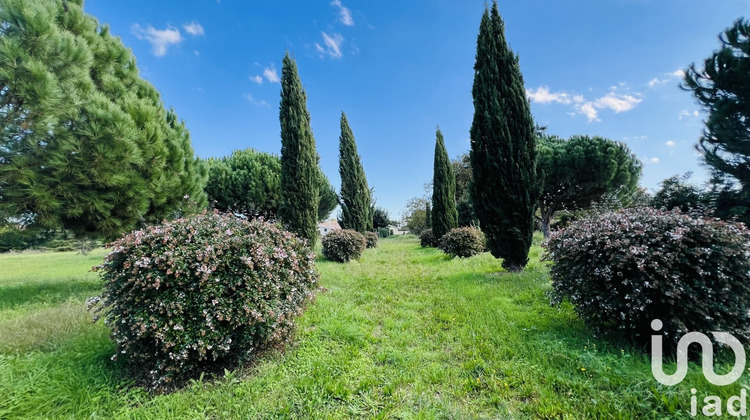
{"points": [[403, 333]]}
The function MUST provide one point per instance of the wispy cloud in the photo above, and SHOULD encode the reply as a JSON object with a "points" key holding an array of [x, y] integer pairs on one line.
{"points": [[685, 113], [269, 73], [332, 45], [160, 39], [345, 16], [617, 102], [670, 143], [653, 160], [254, 101], [194, 28], [666, 78]]}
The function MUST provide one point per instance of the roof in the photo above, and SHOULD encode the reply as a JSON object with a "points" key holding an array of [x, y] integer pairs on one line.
{"points": [[329, 224]]}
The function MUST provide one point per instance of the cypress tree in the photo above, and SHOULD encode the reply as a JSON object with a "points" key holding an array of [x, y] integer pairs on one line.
{"points": [[356, 197], [444, 215], [428, 216], [505, 188], [298, 209]]}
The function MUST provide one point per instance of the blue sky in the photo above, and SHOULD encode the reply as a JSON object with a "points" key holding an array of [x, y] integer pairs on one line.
{"points": [[400, 68]]}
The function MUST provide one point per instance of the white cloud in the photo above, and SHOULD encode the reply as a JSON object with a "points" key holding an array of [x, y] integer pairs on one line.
{"points": [[677, 74], [685, 113], [332, 45], [613, 101], [194, 28], [345, 16], [253, 101], [160, 39], [271, 74], [257, 79], [653, 160], [617, 103], [670, 143]]}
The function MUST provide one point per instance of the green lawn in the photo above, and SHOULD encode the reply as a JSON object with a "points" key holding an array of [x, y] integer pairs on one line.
{"points": [[404, 333]]}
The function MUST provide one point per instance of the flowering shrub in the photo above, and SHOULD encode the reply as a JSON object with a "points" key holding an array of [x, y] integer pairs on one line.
{"points": [[463, 242], [343, 245], [427, 239], [624, 269], [202, 293], [372, 239]]}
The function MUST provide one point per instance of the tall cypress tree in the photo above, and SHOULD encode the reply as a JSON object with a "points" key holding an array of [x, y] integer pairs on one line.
{"points": [[444, 214], [428, 216], [298, 209], [505, 190], [356, 202]]}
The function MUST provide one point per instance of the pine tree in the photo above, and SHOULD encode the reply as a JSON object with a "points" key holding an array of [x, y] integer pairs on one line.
{"points": [[356, 197], [300, 178], [444, 215], [86, 144], [505, 188]]}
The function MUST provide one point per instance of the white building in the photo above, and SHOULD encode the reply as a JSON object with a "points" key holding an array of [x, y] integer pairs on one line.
{"points": [[327, 227]]}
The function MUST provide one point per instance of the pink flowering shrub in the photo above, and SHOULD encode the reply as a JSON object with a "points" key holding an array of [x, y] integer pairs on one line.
{"points": [[372, 239], [463, 242], [202, 293], [343, 245], [621, 270]]}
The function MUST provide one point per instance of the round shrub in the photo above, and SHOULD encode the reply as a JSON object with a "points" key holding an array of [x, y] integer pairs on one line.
{"points": [[621, 270], [427, 239], [384, 232], [201, 294], [372, 239], [343, 245], [463, 242]]}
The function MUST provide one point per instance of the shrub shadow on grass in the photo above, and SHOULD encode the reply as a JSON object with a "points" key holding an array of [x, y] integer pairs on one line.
{"points": [[52, 292]]}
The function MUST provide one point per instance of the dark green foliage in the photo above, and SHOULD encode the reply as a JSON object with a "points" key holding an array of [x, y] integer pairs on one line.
{"points": [[624, 269], [372, 239], [463, 242], [356, 197], [85, 143], [505, 189], [427, 239], [677, 192], [328, 199], [428, 216], [203, 294], [444, 215], [380, 218], [246, 182], [12, 239], [384, 232], [462, 172], [465, 210], [343, 245], [581, 171], [300, 175], [723, 89]]}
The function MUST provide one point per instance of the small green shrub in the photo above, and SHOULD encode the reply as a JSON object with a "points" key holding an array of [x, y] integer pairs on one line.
{"points": [[621, 270], [427, 239], [201, 294], [12, 239], [384, 232], [343, 245], [372, 239], [463, 242]]}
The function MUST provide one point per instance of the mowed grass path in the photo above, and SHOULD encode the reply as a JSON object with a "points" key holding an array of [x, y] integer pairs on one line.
{"points": [[404, 333]]}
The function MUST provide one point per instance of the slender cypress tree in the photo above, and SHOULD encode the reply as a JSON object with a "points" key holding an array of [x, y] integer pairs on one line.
{"points": [[428, 216], [444, 214], [356, 202], [505, 189], [298, 209]]}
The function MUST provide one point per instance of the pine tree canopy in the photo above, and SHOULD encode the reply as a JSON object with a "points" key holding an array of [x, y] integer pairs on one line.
{"points": [[722, 87], [581, 171], [505, 189], [86, 144], [444, 214], [300, 175], [356, 198]]}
